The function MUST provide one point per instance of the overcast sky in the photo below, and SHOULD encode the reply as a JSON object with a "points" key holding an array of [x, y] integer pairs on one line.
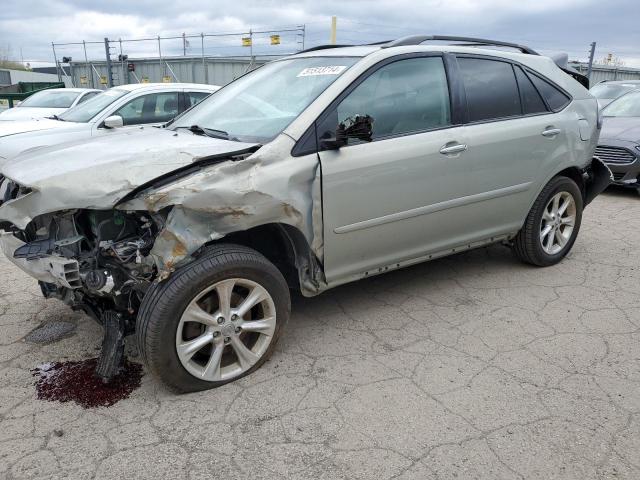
{"points": [[29, 26]]}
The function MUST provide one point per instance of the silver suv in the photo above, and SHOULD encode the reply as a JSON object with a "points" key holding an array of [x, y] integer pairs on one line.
{"points": [[314, 170]]}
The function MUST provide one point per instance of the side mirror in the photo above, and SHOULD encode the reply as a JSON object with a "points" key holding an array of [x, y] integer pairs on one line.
{"points": [[114, 121], [358, 126]]}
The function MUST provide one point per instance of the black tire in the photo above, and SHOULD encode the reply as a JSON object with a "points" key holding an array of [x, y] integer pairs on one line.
{"points": [[163, 304], [527, 244]]}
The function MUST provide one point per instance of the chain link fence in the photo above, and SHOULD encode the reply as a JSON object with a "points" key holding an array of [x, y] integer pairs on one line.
{"points": [[215, 58]]}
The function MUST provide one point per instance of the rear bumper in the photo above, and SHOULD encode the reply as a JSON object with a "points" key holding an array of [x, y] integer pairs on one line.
{"points": [[597, 178]]}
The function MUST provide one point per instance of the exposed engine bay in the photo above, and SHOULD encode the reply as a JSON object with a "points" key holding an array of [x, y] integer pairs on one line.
{"points": [[98, 259]]}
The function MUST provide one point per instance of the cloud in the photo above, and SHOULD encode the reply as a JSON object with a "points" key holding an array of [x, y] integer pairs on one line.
{"points": [[547, 25]]}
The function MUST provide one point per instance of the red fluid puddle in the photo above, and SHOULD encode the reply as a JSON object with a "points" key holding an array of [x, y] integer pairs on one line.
{"points": [[77, 382]]}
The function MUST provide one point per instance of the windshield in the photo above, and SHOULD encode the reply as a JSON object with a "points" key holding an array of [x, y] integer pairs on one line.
{"points": [[260, 105], [627, 106], [50, 99], [85, 111], [608, 91]]}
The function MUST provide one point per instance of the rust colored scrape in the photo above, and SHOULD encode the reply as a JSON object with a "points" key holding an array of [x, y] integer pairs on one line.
{"points": [[77, 382]]}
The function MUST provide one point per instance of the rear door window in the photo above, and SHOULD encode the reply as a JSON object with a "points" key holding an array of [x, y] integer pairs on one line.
{"points": [[555, 98], [491, 89], [195, 97], [531, 100]]}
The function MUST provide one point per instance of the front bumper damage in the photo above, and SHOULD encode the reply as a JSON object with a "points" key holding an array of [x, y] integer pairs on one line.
{"points": [[53, 269]]}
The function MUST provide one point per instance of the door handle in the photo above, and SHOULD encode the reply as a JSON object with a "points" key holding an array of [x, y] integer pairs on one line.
{"points": [[551, 132], [452, 149]]}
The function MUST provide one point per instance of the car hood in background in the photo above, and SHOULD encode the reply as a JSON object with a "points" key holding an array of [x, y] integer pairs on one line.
{"points": [[29, 113], [97, 173], [621, 128], [24, 126]]}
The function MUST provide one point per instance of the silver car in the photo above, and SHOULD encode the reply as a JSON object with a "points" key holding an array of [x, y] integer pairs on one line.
{"points": [[46, 103], [112, 111], [318, 169]]}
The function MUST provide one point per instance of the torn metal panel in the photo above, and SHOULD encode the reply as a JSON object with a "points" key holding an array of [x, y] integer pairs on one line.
{"points": [[599, 178], [100, 174], [233, 196]]}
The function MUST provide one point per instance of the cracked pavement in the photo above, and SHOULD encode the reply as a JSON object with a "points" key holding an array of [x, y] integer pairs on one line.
{"points": [[474, 366]]}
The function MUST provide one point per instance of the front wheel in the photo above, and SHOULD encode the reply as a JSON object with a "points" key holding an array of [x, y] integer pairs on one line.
{"points": [[552, 225], [213, 321]]}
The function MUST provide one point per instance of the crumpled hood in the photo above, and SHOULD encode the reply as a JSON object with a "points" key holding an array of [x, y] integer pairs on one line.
{"points": [[621, 128], [29, 113], [24, 126], [97, 173]]}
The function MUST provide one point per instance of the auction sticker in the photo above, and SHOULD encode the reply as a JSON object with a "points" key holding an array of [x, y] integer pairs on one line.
{"points": [[328, 70]]}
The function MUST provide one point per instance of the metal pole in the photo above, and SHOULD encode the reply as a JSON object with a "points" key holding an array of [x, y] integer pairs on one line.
{"points": [[591, 55], [334, 25], [108, 57], [304, 34], [162, 69], [172, 72], [96, 72], [55, 58], [86, 63], [123, 79], [204, 66], [73, 83], [184, 45]]}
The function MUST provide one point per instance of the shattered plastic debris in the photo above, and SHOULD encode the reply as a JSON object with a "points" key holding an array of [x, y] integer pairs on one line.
{"points": [[77, 382]]}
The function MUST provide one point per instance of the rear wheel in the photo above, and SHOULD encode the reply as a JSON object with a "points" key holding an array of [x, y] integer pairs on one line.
{"points": [[215, 320], [552, 225]]}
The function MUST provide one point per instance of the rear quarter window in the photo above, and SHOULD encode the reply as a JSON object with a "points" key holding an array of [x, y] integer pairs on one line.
{"points": [[555, 98], [531, 100]]}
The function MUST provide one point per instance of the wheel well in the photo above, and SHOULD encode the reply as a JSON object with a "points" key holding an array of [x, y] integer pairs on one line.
{"points": [[575, 174], [284, 246]]}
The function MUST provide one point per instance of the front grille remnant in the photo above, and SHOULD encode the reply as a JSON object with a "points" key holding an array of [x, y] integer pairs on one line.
{"points": [[617, 155]]}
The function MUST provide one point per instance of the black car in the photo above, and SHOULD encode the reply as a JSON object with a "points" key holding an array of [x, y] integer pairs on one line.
{"points": [[619, 144]]}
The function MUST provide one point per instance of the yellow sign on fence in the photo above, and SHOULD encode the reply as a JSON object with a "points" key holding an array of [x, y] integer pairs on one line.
{"points": [[83, 80], [246, 41], [166, 79], [103, 79], [275, 39], [144, 80]]}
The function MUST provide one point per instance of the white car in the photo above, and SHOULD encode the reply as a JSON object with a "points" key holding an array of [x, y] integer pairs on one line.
{"points": [[117, 109], [49, 102]]}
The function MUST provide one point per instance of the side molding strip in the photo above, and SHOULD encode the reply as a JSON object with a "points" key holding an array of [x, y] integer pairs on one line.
{"points": [[436, 207]]}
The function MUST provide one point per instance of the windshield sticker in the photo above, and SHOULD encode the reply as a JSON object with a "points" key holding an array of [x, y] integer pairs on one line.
{"points": [[328, 70]]}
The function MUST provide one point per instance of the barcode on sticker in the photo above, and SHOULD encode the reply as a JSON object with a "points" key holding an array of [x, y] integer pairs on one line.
{"points": [[329, 70]]}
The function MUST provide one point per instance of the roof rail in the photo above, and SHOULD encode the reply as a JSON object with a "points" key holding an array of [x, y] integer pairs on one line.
{"points": [[323, 47], [418, 39]]}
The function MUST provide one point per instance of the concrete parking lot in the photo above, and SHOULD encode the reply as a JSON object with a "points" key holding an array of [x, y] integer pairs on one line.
{"points": [[475, 366]]}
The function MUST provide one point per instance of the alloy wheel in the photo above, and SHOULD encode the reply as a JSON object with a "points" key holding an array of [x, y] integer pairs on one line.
{"points": [[226, 329], [558, 222]]}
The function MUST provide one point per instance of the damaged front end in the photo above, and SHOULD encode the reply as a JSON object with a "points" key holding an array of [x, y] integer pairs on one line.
{"points": [[94, 261], [98, 238]]}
